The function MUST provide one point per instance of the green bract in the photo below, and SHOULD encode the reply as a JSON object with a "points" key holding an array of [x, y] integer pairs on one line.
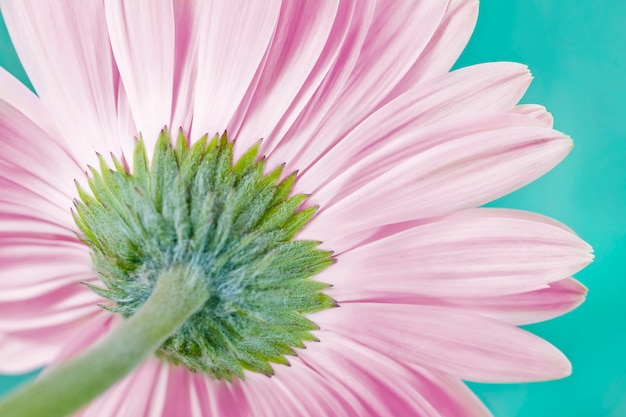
{"points": [[192, 207]]}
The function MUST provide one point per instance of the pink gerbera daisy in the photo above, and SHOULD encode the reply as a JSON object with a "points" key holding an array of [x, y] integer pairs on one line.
{"points": [[333, 227]]}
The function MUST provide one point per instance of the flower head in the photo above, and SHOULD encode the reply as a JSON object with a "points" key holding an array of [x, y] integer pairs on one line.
{"points": [[390, 153]]}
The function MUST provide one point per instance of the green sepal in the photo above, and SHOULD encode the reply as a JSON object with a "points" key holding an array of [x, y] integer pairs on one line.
{"points": [[247, 160], [193, 205], [141, 171]]}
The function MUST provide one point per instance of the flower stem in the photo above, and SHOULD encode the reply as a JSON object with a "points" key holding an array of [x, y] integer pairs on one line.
{"points": [[178, 294]]}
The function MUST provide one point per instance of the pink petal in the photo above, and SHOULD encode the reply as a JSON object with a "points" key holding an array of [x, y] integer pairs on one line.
{"points": [[41, 302], [135, 395], [155, 388], [397, 35], [341, 52], [180, 392], [298, 390], [463, 345], [535, 306], [468, 92], [523, 215], [228, 399], [14, 222], [556, 299], [143, 42], [449, 395], [56, 43], [384, 387], [18, 182], [26, 350], [301, 33], [17, 200], [66, 304], [21, 99], [474, 253], [536, 111], [181, 397], [464, 165], [126, 125], [233, 42], [31, 267], [86, 333], [35, 168], [187, 24], [445, 45]]}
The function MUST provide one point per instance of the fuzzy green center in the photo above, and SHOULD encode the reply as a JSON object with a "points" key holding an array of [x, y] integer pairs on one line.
{"points": [[195, 207]]}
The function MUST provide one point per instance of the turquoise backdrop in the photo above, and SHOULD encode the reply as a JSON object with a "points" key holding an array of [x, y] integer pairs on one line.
{"points": [[576, 50]]}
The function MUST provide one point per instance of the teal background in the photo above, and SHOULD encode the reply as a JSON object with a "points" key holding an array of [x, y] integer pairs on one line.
{"points": [[576, 50]]}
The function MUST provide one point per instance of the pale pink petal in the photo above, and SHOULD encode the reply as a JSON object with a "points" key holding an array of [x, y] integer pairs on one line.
{"points": [[142, 393], [205, 403], [267, 397], [449, 394], [32, 158], [180, 392], [19, 182], [445, 46], [538, 112], [321, 126], [66, 304], [299, 390], [136, 395], [126, 125], [219, 398], [468, 92], [473, 253], [397, 35], [44, 286], [464, 165], [556, 299], [543, 304], [32, 346], [187, 25], [143, 42], [524, 215], [14, 222], [384, 387], [88, 332], [199, 398], [180, 397], [18, 200], [40, 290], [17, 95], [64, 47], [234, 37], [26, 350], [341, 52], [300, 36], [27, 262], [468, 346]]}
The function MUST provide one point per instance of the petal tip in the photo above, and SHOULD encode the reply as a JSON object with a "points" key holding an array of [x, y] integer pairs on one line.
{"points": [[563, 367]]}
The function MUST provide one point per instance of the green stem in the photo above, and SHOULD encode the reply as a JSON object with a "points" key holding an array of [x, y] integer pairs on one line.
{"points": [[179, 293]]}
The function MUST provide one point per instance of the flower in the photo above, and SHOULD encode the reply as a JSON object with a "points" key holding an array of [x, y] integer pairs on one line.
{"points": [[396, 152]]}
